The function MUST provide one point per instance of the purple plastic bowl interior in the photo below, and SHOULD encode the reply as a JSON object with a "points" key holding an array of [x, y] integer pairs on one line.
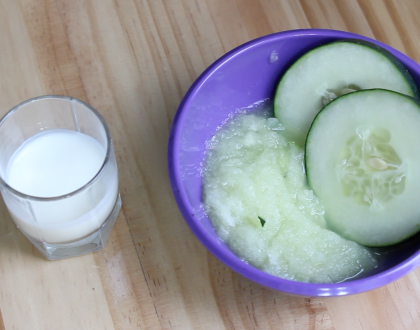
{"points": [[238, 79]]}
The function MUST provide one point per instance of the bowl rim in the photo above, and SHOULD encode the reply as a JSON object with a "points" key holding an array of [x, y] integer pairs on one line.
{"points": [[214, 247]]}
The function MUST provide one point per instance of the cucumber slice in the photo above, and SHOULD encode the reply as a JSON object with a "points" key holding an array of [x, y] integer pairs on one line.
{"points": [[363, 161], [332, 70]]}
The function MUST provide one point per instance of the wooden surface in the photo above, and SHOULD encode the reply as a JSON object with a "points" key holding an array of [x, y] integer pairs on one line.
{"points": [[133, 60]]}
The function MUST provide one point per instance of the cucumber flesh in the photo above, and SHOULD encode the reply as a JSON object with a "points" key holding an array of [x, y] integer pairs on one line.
{"points": [[332, 70], [363, 161], [256, 195]]}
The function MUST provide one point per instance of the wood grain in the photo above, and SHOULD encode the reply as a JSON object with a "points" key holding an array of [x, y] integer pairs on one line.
{"points": [[1, 322], [133, 60]]}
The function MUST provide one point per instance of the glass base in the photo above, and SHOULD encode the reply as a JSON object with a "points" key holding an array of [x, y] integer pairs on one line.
{"points": [[92, 243]]}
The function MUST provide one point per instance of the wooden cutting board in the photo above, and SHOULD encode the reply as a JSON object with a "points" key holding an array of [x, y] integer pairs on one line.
{"points": [[133, 60]]}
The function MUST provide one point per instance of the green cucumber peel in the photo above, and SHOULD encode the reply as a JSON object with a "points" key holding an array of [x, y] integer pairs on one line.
{"points": [[262, 221]]}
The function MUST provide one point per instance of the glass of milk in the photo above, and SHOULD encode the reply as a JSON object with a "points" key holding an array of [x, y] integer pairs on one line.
{"points": [[58, 175]]}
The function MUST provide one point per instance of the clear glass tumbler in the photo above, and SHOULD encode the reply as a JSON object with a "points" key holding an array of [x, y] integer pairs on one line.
{"points": [[80, 221]]}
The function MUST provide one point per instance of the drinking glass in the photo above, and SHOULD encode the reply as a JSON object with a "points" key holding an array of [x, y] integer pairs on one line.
{"points": [[80, 221]]}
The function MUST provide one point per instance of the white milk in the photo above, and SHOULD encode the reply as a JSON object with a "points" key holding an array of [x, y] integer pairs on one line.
{"points": [[56, 163]]}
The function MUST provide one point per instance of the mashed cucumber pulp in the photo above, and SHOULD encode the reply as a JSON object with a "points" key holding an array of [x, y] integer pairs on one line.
{"points": [[256, 195]]}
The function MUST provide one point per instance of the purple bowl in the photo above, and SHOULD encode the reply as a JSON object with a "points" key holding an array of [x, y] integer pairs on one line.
{"points": [[238, 79]]}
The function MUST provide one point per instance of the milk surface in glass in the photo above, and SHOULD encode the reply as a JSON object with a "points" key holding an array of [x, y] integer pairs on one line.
{"points": [[55, 163], [58, 175]]}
